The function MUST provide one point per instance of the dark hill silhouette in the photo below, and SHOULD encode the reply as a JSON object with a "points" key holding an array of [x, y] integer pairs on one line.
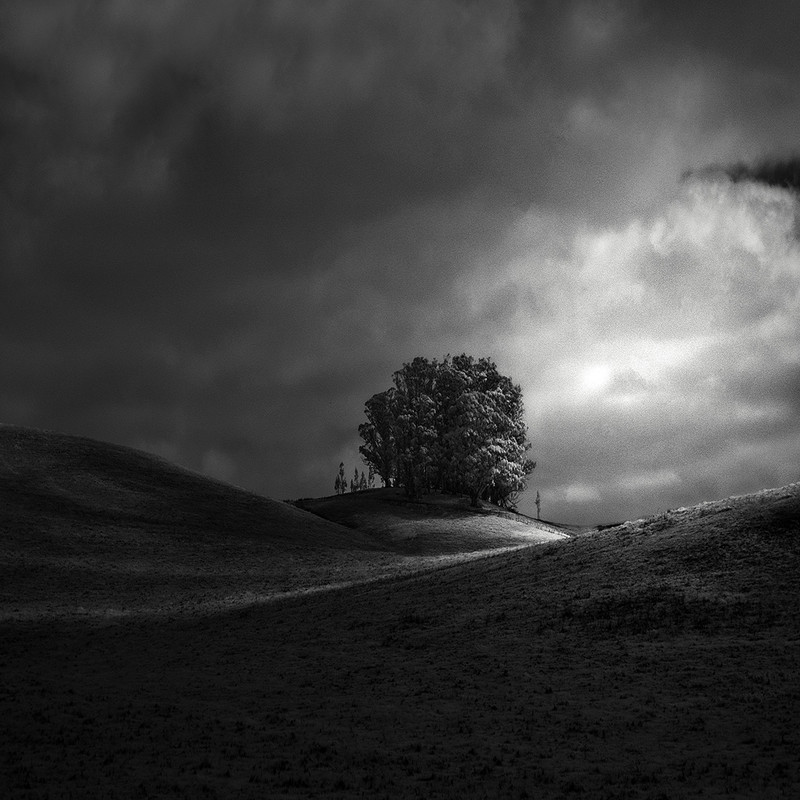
{"points": [[52, 482], [92, 528]]}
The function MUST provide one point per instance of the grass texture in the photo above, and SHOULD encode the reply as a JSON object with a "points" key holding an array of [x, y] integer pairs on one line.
{"points": [[655, 659]]}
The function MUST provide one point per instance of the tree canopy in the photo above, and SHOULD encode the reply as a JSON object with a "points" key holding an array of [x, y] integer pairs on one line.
{"points": [[454, 426]]}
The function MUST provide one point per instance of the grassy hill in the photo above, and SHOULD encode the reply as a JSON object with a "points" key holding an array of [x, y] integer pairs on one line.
{"points": [[59, 484], [431, 525], [94, 529], [655, 659]]}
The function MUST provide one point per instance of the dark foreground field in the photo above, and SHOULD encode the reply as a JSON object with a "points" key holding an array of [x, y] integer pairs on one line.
{"points": [[658, 659]]}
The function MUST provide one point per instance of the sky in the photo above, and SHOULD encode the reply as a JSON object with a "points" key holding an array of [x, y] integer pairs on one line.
{"points": [[223, 227]]}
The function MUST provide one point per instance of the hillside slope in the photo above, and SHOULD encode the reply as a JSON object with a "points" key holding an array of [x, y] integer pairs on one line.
{"points": [[52, 480], [655, 660], [433, 524], [89, 528], [99, 528]]}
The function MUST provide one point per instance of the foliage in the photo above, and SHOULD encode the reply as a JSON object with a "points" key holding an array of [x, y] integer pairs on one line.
{"points": [[378, 450], [358, 483], [454, 425], [414, 411], [341, 482]]}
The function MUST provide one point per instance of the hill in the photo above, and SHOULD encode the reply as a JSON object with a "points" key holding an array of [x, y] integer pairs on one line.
{"points": [[95, 529], [431, 525], [52, 481], [655, 659]]}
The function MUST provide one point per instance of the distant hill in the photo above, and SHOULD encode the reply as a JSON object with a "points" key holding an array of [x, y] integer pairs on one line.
{"points": [[51, 483], [432, 524], [88, 525]]}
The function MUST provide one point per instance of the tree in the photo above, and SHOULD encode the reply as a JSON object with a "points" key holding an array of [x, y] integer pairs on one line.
{"points": [[341, 481], [414, 413], [538, 505], [455, 425], [488, 446], [362, 483], [379, 448]]}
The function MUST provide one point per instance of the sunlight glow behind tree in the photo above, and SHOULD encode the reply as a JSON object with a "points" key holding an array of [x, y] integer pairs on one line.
{"points": [[596, 378]]}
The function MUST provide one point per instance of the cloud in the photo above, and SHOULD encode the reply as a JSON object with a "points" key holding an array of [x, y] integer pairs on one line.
{"points": [[577, 493], [224, 226], [677, 339], [781, 173]]}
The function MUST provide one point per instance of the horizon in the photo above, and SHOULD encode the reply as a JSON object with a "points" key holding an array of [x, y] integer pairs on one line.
{"points": [[225, 227]]}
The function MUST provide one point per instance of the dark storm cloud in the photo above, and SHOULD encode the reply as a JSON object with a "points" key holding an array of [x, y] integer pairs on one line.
{"points": [[299, 120], [782, 173], [167, 164], [224, 226], [165, 150]]}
